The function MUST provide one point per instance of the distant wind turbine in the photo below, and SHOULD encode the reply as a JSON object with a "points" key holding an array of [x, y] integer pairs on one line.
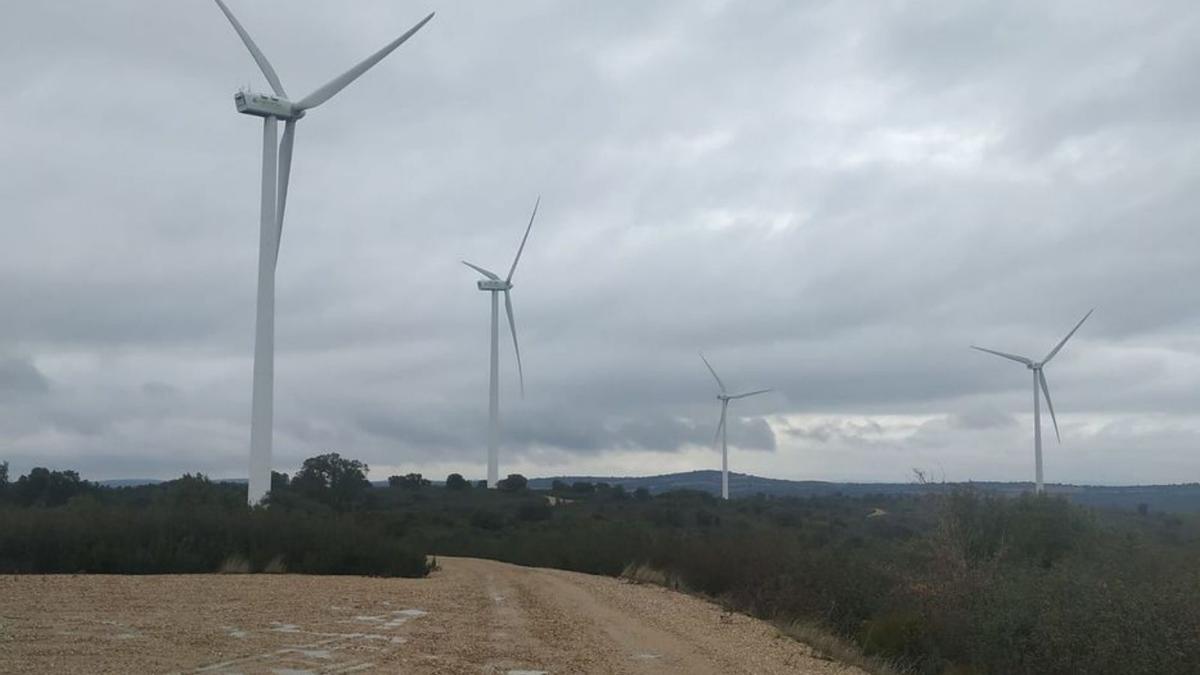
{"points": [[1039, 383], [276, 168], [495, 285], [725, 398]]}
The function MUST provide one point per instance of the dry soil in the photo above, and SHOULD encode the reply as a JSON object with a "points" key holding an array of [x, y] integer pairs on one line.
{"points": [[470, 616]]}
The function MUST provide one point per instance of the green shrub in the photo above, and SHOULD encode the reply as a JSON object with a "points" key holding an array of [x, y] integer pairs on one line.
{"points": [[487, 520], [532, 512]]}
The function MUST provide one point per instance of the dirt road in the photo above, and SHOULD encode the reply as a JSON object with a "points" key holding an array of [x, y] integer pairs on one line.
{"points": [[471, 616]]}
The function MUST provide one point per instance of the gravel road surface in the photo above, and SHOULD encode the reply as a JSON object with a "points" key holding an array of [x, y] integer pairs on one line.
{"points": [[470, 616]]}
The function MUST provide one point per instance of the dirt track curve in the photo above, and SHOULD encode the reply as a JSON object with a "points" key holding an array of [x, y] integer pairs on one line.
{"points": [[471, 616]]}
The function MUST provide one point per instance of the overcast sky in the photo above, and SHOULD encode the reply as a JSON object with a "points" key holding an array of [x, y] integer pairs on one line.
{"points": [[833, 199]]}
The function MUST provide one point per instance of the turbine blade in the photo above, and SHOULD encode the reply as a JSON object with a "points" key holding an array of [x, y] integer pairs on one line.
{"points": [[714, 373], [341, 81], [750, 393], [512, 324], [1010, 357], [482, 271], [1064, 340], [721, 424], [285, 171], [523, 239], [263, 64], [1049, 403]]}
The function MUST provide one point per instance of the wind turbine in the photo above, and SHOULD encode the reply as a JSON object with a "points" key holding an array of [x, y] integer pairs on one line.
{"points": [[276, 168], [495, 285], [1039, 383], [725, 398]]}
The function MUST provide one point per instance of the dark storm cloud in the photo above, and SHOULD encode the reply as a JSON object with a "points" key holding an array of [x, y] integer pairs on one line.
{"points": [[830, 200]]}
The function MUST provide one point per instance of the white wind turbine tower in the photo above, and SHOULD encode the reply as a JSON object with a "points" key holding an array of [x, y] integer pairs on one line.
{"points": [[495, 285], [725, 398], [276, 168], [1039, 383]]}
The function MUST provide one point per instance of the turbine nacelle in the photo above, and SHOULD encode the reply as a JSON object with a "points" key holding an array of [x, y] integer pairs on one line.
{"points": [[266, 105], [494, 285]]}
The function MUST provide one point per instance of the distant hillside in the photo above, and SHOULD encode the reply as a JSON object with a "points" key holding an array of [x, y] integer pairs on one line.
{"points": [[1182, 498], [128, 482], [1171, 498], [136, 482]]}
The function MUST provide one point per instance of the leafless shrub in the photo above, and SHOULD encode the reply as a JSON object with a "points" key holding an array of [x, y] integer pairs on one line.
{"points": [[645, 574], [234, 564], [826, 645]]}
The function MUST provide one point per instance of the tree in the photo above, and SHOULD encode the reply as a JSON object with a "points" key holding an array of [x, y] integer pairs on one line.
{"points": [[279, 480], [641, 494], [515, 482], [332, 479], [43, 487], [455, 481], [559, 486], [3, 475], [191, 490], [410, 481]]}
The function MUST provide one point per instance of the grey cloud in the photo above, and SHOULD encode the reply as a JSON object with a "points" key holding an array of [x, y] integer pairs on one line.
{"points": [[826, 431], [982, 418], [19, 377], [830, 200]]}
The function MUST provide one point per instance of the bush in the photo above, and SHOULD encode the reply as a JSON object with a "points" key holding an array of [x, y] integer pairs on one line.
{"points": [[895, 634], [234, 564], [193, 525], [129, 540], [412, 481], [534, 511], [514, 483], [487, 520]]}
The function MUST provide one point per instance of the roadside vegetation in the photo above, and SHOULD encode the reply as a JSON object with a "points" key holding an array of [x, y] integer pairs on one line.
{"points": [[956, 583], [54, 522]]}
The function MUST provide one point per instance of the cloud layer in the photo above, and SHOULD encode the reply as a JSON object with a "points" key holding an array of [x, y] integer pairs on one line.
{"points": [[828, 199]]}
